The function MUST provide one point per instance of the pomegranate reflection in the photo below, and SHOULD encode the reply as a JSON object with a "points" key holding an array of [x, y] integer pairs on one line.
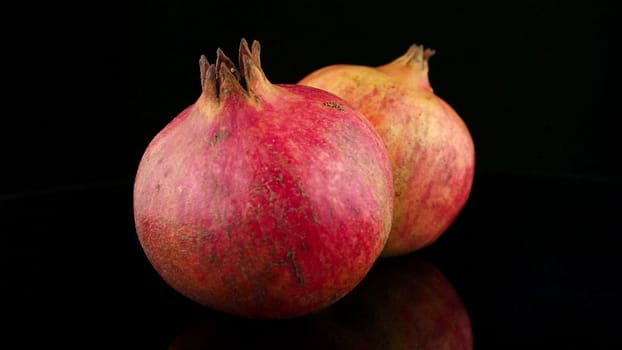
{"points": [[403, 303]]}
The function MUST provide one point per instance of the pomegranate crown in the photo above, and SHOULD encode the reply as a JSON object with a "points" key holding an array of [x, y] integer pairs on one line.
{"points": [[223, 78], [416, 55], [411, 67]]}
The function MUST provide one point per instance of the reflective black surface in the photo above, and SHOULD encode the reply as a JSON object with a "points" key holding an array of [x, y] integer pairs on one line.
{"points": [[534, 257], [533, 260]]}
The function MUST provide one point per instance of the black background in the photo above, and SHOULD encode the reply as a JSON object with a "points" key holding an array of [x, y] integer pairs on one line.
{"points": [[533, 255]]}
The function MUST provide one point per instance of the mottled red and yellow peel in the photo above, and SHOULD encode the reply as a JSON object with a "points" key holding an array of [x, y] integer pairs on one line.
{"points": [[431, 150], [267, 202]]}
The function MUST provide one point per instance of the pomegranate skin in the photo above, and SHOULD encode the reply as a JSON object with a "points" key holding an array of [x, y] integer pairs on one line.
{"points": [[263, 200], [431, 149]]}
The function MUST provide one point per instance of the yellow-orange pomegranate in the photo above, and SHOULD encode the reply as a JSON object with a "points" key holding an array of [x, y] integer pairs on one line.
{"points": [[430, 148]]}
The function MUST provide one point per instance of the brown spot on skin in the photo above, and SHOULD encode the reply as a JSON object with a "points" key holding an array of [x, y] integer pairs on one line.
{"points": [[279, 178], [300, 189], [333, 105], [291, 255], [219, 136], [315, 218], [207, 235]]}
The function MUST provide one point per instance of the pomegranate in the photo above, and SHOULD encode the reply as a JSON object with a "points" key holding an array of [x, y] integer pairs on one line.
{"points": [[431, 150], [263, 200]]}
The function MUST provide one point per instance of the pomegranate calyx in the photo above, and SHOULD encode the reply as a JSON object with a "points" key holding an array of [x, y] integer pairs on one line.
{"points": [[208, 78], [417, 54], [223, 78], [412, 67], [250, 66]]}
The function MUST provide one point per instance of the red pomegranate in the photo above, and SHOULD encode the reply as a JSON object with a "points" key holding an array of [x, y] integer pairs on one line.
{"points": [[263, 200], [431, 150]]}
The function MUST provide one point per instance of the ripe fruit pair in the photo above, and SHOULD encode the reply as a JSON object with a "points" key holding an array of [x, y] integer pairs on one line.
{"points": [[274, 200]]}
